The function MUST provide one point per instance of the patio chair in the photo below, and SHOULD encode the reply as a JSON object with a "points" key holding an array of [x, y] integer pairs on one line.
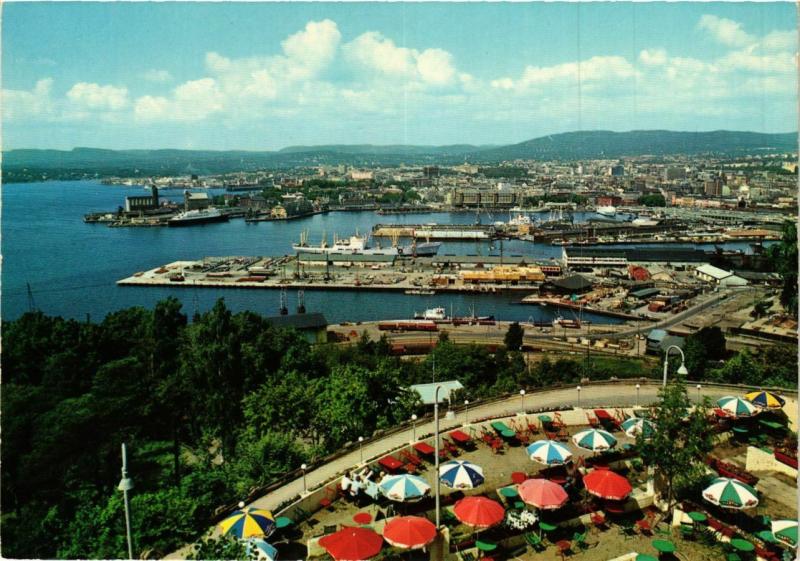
{"points": [[627, 529], [532, 428], [687, 531], [598, 520], [535, 541], [410, 468], [580, 540], [594, 422], [644, 526]]}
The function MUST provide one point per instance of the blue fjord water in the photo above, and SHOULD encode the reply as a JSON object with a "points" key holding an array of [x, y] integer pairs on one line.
{"points": [[72, 267]]}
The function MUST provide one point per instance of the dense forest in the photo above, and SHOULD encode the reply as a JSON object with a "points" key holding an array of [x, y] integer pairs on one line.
{"points": [[211, 408]]}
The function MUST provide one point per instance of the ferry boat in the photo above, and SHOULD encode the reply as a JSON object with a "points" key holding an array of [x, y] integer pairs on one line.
{"points": [[420, 292], [432, 314], [606, 210], [642, 221], [359, 245], [194, 217]]}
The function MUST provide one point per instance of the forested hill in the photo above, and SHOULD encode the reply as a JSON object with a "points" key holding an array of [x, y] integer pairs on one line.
{"points": [[609, 144], [31, 164]]}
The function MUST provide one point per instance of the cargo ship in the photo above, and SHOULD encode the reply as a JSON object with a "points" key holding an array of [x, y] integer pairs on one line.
{"points": [[359, 245], [194, 217]]}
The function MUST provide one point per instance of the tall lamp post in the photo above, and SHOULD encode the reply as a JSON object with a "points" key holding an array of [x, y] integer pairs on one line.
{"points": [[681, 370], [436, 451], [522, 401], [304, 467], [361, 447], [579, 395], [414, 425], [699, 387], [466, 411], [125, 485], [638, 387]]}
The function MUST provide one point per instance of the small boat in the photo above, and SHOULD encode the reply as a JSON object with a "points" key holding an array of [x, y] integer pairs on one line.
{"points": [[606, 210], [420, 292], [566, 323], [432, 313]]}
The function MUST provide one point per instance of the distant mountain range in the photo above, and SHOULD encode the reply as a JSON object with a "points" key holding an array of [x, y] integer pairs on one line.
{"points": [[564, 146]]}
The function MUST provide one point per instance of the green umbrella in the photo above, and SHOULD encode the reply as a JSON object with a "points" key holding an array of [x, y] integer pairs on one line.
{"points": [[785, 531], [645, 557], [730, 493]]}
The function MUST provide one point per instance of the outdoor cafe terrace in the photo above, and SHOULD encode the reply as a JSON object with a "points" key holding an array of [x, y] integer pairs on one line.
{"points": [[585, 522]]}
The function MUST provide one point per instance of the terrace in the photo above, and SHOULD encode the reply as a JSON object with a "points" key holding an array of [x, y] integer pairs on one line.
{"points": [[586, 527]]}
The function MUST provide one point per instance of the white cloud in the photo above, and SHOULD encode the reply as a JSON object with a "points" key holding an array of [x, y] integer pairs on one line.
{"points": [[725, 31], [97, 97], [158, 76], [780, 40], [32, 104], [653, 57], [595, 69], [191, 101], [373, 52], [309, 51]]}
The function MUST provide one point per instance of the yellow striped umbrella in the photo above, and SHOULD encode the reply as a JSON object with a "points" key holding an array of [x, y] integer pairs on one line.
{"points": [[249, 522], [767, 400]]}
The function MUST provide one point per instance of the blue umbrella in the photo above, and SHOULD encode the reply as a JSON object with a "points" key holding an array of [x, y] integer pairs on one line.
{"points": [[460, 474], [404, 487], [549, 452], [262, 549]]}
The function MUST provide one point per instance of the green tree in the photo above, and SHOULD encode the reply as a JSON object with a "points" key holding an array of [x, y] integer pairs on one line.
{"points": [[681, 441], [222, 548], [514, 336], [657, 200], [784, 255]]}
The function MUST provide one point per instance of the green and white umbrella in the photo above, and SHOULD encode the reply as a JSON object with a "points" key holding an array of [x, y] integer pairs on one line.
{"points": [[595, 440], [785, 531], [730, 493], [636, 426], [737, 407]]}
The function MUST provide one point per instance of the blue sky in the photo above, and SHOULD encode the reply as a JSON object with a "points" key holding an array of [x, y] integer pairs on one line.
{"points": [[266, 76]]}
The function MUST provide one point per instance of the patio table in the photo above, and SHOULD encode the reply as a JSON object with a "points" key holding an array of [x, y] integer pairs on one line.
{"points": [[664, 546], [545, 419], [741, 430], [391, 464], [766, 536], [519, 505], [500, 426], [424, 448], [509, 492], [283, 522], [519, 477], [697, 516], [645, 557], [362, 518], [742, 545], [508, 433], [770, 424], [547, 527], [460, 437], [485, 546]]}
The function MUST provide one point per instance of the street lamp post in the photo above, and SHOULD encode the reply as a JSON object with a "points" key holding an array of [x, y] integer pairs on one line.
{"points": [[361, 447], [125, 485], [699, 387], [466, 411], [637, 393], [304, 467], [414, 424], [681, 370], [579, 395], [436, 451], [522, 400]]}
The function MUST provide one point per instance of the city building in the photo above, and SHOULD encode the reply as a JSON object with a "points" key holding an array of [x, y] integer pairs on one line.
{"points": [[718, 276], [195, 201], [138, 203]]}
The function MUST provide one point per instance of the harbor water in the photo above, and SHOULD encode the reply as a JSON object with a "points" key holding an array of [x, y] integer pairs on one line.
{"points": [[72, 267]]}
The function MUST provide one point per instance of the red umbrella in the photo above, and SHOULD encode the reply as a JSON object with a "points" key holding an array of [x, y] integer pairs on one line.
{"points": [[352, 544], [606, 484], [479, 512], [543, 493], [409, 532]]}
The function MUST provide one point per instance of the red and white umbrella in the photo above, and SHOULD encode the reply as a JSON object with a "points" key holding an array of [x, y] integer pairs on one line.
{"points": [[479, 512], [409, 532], [606, 484], [543, 493], [352, 544]]}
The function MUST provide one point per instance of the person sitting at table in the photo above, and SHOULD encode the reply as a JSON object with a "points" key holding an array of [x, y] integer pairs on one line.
{"points": [[345, 483], [355, 486]]}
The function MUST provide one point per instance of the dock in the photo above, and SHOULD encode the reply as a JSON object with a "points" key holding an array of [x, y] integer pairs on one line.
{"points": [[435, 231], [576, 307]]}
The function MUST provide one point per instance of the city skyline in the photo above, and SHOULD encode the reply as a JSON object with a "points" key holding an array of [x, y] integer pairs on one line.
{"points": [[267, 76]]}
